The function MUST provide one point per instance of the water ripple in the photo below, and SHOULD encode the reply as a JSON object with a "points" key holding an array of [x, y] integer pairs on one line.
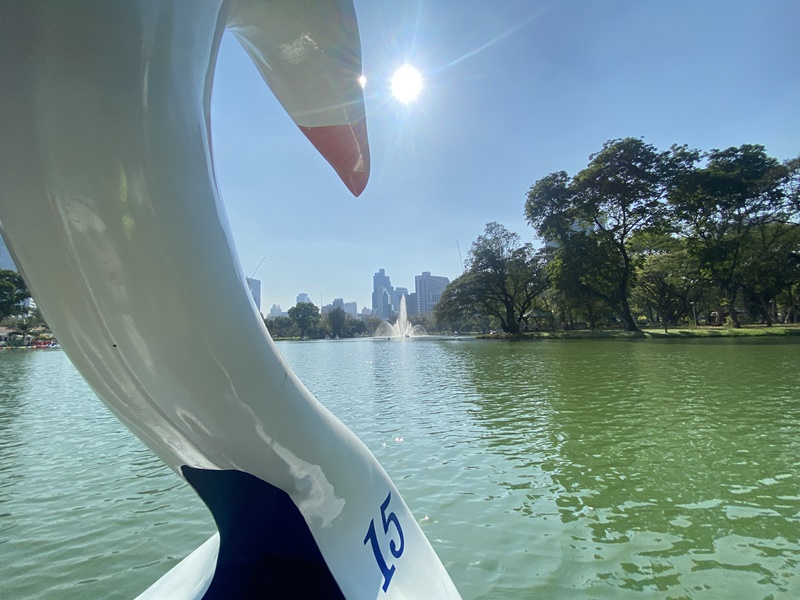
{"points": [[559, 469]]}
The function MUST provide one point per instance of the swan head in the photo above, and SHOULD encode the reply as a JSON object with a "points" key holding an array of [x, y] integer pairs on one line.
{"points": [[309, 54]]}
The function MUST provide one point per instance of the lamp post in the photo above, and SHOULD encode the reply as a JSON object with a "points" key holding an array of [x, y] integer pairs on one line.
{"points": [[694, 315]]}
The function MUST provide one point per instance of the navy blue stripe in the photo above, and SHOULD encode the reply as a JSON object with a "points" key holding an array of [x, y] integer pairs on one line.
{"points": [[266, 549]]}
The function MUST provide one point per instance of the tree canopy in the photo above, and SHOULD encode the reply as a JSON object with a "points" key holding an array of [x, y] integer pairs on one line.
{"points": [[305, 315], [620, 193], [13, 292], [282, 327], [720, 208], [657, 234], [502, 279]]}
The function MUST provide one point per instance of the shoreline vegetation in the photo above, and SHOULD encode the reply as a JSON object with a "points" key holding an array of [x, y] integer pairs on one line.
{"points": [[699, 332], [642, 236]]}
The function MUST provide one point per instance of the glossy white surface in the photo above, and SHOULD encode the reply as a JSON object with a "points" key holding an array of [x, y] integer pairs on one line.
{"points": [[190, 578], [105, 154]]}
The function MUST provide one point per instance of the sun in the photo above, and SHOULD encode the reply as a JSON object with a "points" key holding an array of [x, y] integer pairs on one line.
{"points": [[406, 84]]}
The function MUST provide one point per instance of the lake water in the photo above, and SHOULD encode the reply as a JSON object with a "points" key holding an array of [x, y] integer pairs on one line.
{"points": [[556, 469]]}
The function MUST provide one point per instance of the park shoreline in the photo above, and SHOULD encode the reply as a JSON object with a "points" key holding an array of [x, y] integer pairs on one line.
{"points": [[700, 332]]}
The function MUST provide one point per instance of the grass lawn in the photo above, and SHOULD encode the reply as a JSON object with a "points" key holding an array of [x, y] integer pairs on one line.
{"points": [[654, 333]]}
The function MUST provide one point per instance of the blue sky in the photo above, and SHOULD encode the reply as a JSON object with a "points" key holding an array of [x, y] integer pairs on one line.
{"points": [[513, 90]]}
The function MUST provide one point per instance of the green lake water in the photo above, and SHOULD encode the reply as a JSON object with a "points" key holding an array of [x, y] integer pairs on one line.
{"points": [[551, 469]]}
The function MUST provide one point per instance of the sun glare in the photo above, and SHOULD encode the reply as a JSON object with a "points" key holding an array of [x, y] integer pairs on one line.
{"points": [[406, 84]]}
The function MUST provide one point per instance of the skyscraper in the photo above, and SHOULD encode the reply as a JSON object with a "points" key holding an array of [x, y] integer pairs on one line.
{"points": [[382, 293], [255, 290], [429, 290], [399, 292], [303, 297]]}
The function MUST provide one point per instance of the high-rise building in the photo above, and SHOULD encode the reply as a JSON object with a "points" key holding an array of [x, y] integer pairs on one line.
{"points": [[255, 290], [399, 292], [411, 304], [275, 311], [429, 290], [382, 291], [351, 308], [303, 297]]}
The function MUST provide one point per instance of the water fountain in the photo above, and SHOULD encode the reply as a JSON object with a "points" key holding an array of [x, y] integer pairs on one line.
{"points": [[401, 328]]}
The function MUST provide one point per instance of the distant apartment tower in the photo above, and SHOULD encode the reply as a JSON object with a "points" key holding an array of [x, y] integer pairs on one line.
{"points": [[429, 290], [275, 311], [382, 294], [399, 292], [337, 303], [303, 297], [351, 308], [255, 290], [411, 304]]}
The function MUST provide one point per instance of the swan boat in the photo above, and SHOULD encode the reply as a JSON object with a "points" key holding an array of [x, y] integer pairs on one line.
{"points": [[105, 152]]}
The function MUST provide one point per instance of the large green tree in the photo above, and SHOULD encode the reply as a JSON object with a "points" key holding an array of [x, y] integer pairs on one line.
{"points": [[770, 266], [13, 292], [620, 193], [721, 206], [579, 272], [668, 281], [337, 320], [502, 279], [305, 315]]}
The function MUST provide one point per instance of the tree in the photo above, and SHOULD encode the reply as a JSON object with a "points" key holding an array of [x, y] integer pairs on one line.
{"points": [[282, 327], [503, 277], [668, 278], [459, 302], [337, 320], [305, 316], [791, 184], [621, 192], [576, 271], [770, 265], [371, 323], [13, 293], [354, 326], [25, 325], [720, 206]]}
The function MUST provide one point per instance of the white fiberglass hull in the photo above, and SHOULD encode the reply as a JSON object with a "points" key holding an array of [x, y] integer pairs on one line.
{"points": [[109, 204]]}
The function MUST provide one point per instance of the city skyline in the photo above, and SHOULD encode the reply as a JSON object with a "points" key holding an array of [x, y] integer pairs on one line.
{"points": [[439, 282]]}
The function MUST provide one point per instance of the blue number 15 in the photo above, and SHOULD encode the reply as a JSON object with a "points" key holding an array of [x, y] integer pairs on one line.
{"points": [[394, 548]]}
